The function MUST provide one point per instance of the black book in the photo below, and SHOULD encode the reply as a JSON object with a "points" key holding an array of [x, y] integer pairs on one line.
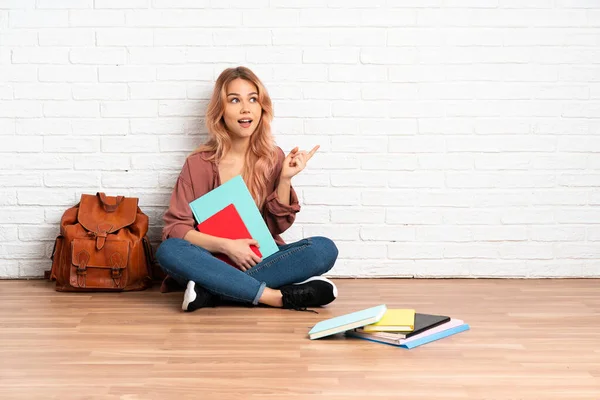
{"points": [[426, 321], [423, 322]]}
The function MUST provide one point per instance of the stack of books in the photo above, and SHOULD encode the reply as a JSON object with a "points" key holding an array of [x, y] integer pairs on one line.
{"points": [[398, 327]]}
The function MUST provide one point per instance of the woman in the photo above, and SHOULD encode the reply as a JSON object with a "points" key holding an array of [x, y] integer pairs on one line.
{"points": [[240, 143]]}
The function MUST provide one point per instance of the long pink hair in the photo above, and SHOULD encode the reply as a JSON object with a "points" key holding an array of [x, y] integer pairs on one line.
{"points": [[261, 157]]}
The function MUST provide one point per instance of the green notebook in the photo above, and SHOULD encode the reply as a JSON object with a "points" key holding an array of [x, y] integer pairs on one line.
{"points": [[347, 321]]}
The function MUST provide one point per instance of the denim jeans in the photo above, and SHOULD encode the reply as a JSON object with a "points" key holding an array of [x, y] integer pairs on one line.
{"points": [[293, 263]]}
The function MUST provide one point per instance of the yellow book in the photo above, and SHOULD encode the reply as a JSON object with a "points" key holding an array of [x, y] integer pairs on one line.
{"points": [[394, 320]]}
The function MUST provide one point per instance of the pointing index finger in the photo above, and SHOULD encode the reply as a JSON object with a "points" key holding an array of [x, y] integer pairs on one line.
{"points": [[313, 151]]}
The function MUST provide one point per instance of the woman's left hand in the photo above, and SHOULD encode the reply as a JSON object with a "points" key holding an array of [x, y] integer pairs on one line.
{"points": [[296, 161]]}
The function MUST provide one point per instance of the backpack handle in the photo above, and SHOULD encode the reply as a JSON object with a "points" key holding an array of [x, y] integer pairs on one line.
{"points": [[106, 205]]}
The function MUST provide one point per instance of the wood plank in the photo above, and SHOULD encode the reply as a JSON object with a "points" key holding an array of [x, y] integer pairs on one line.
{"points": [[529, 339]]}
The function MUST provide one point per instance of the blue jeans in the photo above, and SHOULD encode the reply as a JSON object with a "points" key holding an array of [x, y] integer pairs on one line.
{"points": [[293, 263]]}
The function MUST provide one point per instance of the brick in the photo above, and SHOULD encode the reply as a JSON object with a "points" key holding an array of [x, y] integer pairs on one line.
{"points": [[103, 91], [416, 179], [388, 198], [557, 233], [104, 162], [411, 251], [125, 37], [42, 91], [331, 126], [180, 108], [524, 216], [21, 215], [70, 144], [303, 108], [357, 215], [443, 234], [14, 251], [37, 233], [130, 144], [335, 233], [241, 37], [80, 108], [389, 91], [387, 233], [7, 126], [359, 144], [412, 216], [100, 126], [361, 251], [499, 233], [96, 18], [183, 18], [20, 73], [8, 197], [160, 163], [161, 125], [68, 74], [331, 196], [525, 251], [389, 162], [20, 109], [24, 144], [10, 234], [72, 37], [157, 91], [40, 55], [330, 55], [18, 163], [269, 18], [97, 56], [122, 4], [357, 73], [578, 216], [130, 108], [71, 179], [138, 179], [38, 18], [417, 144]]}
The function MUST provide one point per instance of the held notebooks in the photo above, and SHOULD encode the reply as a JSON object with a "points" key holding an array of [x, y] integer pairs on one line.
{"points": [[450, 328], [396, 319], [235, 192], [423, 322], [347, 321], [227, 223]]}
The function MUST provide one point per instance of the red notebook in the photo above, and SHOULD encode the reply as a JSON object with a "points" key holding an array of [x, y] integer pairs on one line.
{"points": [[227, 223]]}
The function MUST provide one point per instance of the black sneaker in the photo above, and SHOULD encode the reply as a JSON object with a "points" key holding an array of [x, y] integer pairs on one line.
{"points": [[196, 297], [313, 292]]}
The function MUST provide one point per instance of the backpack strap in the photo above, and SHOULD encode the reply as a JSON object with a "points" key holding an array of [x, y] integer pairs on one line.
{"points": [[108, 207]]}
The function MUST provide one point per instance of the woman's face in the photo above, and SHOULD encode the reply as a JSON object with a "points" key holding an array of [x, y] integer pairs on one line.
{"points": [[242, 110]]}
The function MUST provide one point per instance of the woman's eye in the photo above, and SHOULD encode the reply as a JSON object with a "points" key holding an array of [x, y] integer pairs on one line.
{"points": [[234, 100], [254, 99]]}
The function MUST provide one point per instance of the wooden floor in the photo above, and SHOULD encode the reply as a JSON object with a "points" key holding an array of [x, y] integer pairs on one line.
{"points": [[529, 339]]}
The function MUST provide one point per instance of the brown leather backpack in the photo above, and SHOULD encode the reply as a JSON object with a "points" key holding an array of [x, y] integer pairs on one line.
{"points": [[102, 246]]}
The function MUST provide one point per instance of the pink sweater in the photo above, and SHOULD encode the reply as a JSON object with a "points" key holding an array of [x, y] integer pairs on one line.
{"points": [[199, 176]]}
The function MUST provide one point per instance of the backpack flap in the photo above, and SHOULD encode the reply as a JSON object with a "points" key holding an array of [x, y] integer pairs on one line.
{"points": [[101, 214], [104, 268]]}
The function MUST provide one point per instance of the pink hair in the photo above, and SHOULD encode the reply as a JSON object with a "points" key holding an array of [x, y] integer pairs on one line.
{"points": [[261, 157]]}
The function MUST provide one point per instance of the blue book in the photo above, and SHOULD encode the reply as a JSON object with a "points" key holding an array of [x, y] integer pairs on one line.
{"points": [[347, 321], [436, 336], [235, 192], [412, 343]]}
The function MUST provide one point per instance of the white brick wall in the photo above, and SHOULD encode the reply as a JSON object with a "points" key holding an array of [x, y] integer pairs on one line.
{"points": [[459, 138]]}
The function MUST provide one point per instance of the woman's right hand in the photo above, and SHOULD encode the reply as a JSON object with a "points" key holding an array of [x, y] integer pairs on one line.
{"points": [[241, 254]]}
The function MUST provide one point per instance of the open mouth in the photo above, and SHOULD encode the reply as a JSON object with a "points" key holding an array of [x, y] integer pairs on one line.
{"points": [[245, 123]]}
